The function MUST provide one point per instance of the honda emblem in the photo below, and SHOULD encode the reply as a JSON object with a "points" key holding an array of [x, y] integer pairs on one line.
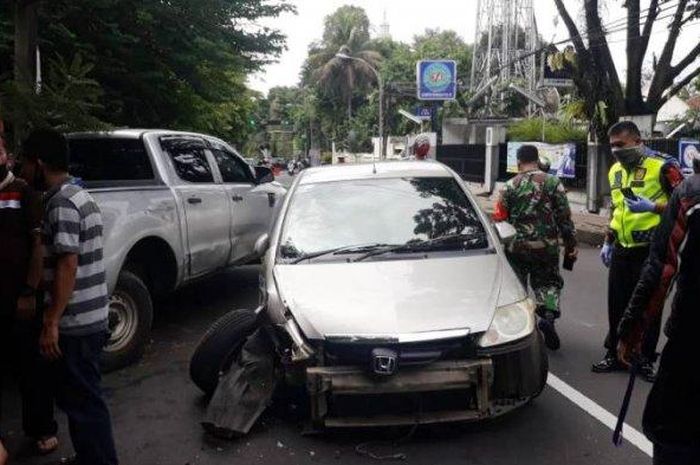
{"points": [[384, 362]]}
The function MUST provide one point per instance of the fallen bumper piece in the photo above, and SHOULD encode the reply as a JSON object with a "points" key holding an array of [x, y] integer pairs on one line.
{"points": [[245, 391]]}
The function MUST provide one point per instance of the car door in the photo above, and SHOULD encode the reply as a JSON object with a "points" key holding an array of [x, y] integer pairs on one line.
{"points": [[205, 203], [252, 205]]}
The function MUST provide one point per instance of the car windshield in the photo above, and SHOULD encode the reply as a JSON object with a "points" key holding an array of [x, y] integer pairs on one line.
{"points": [[379, 218]]}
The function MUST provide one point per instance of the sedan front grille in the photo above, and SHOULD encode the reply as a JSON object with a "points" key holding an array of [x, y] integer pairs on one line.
{"points": [[409, 354]]}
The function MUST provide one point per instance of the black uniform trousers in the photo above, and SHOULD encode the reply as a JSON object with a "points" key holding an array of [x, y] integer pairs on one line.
{"points": [[19, 354], [625, 269]]}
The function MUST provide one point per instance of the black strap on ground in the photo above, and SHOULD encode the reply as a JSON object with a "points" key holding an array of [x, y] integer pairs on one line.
{"points": [[617, 434]]}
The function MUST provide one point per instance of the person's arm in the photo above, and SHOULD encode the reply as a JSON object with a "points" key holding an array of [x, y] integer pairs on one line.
{"points": [[671, 177], [562, 214], [31, 205], [501, 212], [64, 228], [657, 276]]}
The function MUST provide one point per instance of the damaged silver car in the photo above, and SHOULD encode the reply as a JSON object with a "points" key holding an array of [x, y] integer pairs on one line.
{"points": [[386, 294]]}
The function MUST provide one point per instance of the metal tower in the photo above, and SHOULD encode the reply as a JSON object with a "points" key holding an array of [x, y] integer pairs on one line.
{"points": [[384, 28], [504, 42]]}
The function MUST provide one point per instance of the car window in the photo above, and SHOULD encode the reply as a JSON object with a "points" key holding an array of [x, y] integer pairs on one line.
{"points": [[394, 211], [189, 159], [233, 169], [109, 159]]}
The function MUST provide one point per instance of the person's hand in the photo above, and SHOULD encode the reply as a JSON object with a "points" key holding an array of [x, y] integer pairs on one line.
{"points": [[26, 308], [628, 351], [571, 252], [48, 341], [606, 254], [641, 205]]}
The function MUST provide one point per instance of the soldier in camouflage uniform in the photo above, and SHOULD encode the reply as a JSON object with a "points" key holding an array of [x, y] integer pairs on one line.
{"points": [[535, 203]]}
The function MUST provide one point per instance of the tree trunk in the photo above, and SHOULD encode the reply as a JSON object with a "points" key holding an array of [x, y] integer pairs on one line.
{"points": [[350, 106], [25, 41]]}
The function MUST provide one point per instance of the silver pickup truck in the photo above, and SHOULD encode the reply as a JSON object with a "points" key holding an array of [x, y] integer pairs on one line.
{"points": [[176, 207]]}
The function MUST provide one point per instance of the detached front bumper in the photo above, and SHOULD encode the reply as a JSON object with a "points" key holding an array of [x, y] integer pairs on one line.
{"points": [[443, 391]]}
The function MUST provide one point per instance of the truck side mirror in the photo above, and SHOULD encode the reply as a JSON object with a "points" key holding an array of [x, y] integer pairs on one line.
{"points": [[263, 175], [506, 231]]}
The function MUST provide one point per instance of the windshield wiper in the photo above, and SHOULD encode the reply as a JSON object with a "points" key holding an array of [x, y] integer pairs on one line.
{"points": [[339, 250], [469, 242]]}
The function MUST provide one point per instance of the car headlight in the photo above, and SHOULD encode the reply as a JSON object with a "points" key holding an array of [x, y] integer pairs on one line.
{"points": [[510, 323]]}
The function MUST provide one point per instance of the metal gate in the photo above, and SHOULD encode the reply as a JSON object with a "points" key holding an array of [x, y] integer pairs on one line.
{"points": [[468, 161]]}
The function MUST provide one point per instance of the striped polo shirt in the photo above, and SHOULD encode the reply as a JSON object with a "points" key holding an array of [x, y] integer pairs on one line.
{"points": [[73, 225]]}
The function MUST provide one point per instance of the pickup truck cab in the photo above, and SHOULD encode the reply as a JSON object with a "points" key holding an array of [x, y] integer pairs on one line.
{"points": [[176, 207]]}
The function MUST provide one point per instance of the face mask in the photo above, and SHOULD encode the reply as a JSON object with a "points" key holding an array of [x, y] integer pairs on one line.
{"points": [[628, 155]]}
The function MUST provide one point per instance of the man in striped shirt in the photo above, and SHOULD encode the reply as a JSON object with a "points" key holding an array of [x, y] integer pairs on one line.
{"points": [[75, 319]]}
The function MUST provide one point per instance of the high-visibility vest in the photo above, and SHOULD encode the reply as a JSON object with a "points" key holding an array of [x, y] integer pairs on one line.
{"points": [[636, 229]]}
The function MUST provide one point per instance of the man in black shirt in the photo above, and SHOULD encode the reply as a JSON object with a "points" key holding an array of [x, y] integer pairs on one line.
{"points": [[20, 275], [673, 407]]}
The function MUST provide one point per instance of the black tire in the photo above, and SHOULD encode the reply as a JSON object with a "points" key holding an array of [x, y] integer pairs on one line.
{"points": [[130, 321], [544, 357], [219, 346]]}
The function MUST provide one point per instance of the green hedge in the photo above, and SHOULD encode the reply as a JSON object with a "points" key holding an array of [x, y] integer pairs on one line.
{"points": [[555, 132]]}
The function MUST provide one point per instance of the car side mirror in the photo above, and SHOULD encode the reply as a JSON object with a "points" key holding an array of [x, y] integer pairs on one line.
{"points": [[261, 245], [506, 231], [263, 175]]}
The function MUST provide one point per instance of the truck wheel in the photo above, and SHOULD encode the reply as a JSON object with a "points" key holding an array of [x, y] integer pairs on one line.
{"points": [[130, 320], [218, 348]]}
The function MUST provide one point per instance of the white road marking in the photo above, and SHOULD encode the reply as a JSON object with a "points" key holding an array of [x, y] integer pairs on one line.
{"points": [[630, 434]]}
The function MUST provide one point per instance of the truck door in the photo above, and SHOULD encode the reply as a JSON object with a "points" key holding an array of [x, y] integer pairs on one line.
{"points": [[252, 205], [206, 206]]}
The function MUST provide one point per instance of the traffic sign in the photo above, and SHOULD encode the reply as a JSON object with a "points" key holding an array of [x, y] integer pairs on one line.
{"points": [[436, 79], [424, 113]]}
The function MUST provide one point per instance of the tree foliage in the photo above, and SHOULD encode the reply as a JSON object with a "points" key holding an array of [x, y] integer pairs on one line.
{"points": [[177, 64], [596, 76]]}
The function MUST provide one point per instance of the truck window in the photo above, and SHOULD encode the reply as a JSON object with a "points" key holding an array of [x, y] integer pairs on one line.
{"points": [[107, 159], [233, 169], [189, 159]]}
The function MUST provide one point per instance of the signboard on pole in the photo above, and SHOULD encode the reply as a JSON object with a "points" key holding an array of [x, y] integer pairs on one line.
{"points": [[424, 113], [561, 157], [687, 151], [436, 79]]}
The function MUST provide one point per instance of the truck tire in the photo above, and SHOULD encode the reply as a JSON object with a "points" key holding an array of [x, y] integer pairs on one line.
{"points": [[130, 321], [218, 348]]}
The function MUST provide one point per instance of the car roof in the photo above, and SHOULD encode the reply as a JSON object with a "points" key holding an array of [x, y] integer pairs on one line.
{"points": [[132, 133], [385, 169]]}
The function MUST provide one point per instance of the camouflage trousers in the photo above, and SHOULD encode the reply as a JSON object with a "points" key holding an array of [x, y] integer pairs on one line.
{"points": [[541, 269]]}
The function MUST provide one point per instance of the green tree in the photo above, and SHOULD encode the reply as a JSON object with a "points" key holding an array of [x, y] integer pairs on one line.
{"points": [[345, 32], [178, 64], [596, 75]]}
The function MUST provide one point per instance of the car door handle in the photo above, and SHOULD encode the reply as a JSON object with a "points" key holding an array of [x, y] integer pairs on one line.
{"points": [[194, 200], [236, 198]]}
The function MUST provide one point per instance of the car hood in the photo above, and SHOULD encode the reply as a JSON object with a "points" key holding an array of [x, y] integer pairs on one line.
{"points": [[397, 299]]}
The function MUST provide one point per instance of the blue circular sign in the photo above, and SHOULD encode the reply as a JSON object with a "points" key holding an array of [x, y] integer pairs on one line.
{"points": [[437, 77]]}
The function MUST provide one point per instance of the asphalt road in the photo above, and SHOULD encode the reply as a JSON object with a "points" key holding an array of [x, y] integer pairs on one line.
{"points": [[156, 409]]}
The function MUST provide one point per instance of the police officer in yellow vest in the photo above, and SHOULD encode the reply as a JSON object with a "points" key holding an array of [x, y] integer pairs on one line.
{"points": [[641, 183]]}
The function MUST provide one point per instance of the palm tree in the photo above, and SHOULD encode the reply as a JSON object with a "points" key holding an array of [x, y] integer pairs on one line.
{"points": [[341, 76]]}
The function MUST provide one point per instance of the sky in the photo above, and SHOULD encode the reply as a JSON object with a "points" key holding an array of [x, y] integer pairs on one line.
{"points": [[410, 17]]}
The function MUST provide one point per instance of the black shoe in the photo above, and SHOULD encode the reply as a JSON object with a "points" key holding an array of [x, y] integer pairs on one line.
{"points": [[647, 372], [607, 365], [551, 338]]}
